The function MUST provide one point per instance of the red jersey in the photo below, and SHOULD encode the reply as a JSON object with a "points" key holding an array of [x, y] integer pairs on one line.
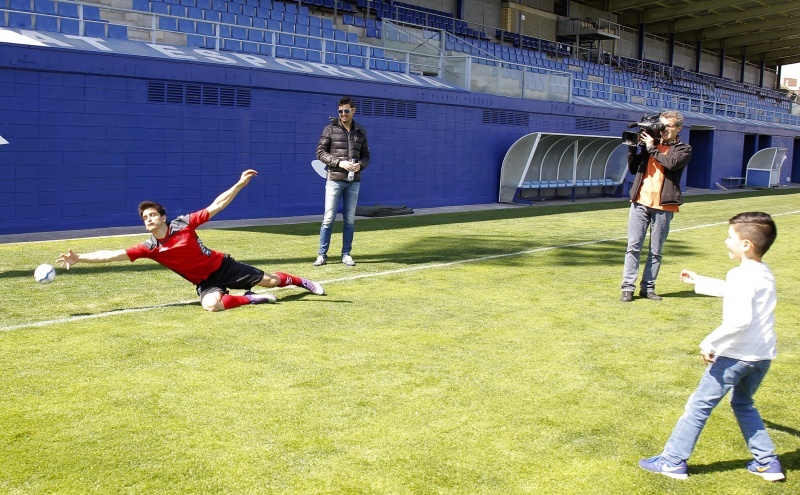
{"points": [[181, 250]]}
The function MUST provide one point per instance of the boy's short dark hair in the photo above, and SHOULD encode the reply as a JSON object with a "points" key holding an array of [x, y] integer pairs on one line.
{"points": [[756, 227], [151, 204], [346, 100]]}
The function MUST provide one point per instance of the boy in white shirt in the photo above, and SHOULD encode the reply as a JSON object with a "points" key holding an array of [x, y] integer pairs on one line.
{"points": [[738, 352]]}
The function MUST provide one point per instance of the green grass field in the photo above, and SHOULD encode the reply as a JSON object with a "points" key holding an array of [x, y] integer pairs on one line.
{"points": [[469, 353]]}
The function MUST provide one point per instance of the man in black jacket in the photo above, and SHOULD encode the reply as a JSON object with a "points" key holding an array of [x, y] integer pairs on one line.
{"points": [[655, 198], [344, 150]]}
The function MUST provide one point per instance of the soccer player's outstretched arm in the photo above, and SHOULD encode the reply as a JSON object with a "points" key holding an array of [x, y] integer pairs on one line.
{"points": [[103, 256], [224, 199]]}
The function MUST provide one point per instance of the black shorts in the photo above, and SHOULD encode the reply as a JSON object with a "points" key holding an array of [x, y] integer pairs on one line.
{"points": [[230, 275]]}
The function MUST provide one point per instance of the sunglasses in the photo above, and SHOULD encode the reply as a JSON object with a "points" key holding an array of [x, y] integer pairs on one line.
{"points": [[345, 111]]}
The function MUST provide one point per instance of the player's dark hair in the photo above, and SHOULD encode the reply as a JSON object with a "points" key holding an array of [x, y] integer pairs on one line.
{"points": [[756, 227], [346, 100], [151, 204]]}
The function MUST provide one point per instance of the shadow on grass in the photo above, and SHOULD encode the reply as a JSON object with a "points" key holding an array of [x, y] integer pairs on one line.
{"points": [[789, 460], [133, 310], [503, 251], [411, 221]]}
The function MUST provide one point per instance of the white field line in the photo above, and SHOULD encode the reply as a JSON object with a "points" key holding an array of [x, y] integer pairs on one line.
{"points": [[432, 266]]}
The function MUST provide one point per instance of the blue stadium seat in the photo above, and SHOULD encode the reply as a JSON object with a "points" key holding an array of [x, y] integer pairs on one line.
{"points": [[67, 10], [339, 35], [303, 20], [234, 8], [95, 29], [141, 5], [290, 17], [360, 21], [248, 10], [288, 27], [158, 8], [279, 6], [313, 56], [91, 13], [20, 21], [195, 13], [187, 26], [47, 23], [227, 18], [239, 33], [352, 37], [69, 26], [203, 4], [249, 47], [315, 44], [286, 39], [327, 23], [276, 14], [328, 34], [117, 32], [244, 20], [188, 3], [298, 53], [220, 5], [262, 12], [255, 35], [205, 28], [283, 51], [232, 45], [21, 5], [301, 42], [44, 7], [291, 7], [273, 25], [167, 24], [177, 10], [315, 31], [347, 19], [301, 29], [378, 64], [315, 21], [342, 59], [195, 41], [265, 49]]}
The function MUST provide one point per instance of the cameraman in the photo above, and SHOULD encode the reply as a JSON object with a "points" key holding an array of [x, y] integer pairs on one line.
{"points": [[655, 198]]}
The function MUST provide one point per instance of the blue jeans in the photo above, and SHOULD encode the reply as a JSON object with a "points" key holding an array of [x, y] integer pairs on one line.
{"points": [[348, 192], [639, 219], [725, 374]]}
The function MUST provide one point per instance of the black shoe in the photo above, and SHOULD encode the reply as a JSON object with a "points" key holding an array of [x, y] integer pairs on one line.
{"points": [[650, 295], [627, 296]]}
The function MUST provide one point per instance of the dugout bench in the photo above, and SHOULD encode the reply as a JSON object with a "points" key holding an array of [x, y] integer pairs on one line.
{"points": [[543, 165]]}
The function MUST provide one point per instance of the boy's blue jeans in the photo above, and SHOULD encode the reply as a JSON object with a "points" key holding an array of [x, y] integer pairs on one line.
{"points": [[725, 374], [348, 193]]}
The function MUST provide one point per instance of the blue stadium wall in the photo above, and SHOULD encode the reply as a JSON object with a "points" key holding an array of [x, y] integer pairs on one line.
{"points": [[87, 143]]}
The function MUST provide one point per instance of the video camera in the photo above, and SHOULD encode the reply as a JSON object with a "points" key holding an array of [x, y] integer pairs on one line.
{"points": [[651, 124]]}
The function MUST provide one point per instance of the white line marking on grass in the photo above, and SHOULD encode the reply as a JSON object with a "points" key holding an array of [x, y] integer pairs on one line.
{"points": [[364, 275]]}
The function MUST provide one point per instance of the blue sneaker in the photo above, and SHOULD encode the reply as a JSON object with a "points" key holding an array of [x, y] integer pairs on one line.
{"points": [[770, 472], [260, 298], [660, 465]]}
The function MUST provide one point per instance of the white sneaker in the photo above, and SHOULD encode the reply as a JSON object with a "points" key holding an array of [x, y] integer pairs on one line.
{"points": [[313, 287], [263, 298], [321, 260], [347, 260]]}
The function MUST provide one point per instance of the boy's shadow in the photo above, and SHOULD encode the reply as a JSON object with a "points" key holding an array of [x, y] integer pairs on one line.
{"points": [[789, 460]]}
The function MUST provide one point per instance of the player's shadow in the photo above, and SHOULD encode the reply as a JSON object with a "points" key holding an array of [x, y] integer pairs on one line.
{"points": [[789, 460], [111, 312]]}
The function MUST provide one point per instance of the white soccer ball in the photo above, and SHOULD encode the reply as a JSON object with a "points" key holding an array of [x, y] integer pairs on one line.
{"points": [[44, 273]]}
